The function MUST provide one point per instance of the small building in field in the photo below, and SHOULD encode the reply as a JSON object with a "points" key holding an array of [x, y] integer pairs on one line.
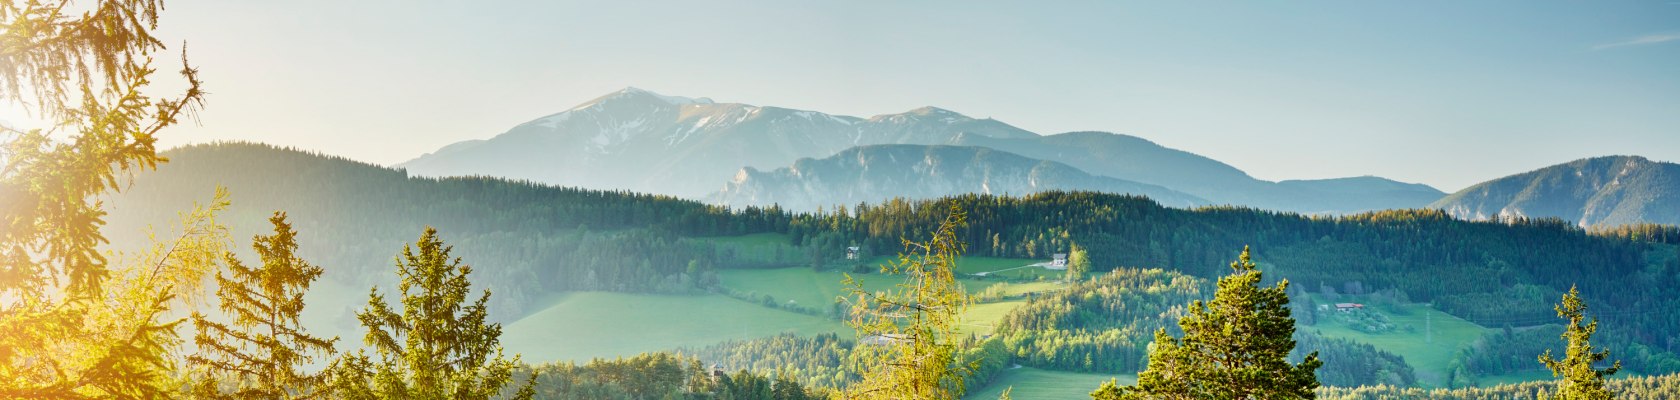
{"points": [[1345, 307], [852, 253], [1058, 261]]}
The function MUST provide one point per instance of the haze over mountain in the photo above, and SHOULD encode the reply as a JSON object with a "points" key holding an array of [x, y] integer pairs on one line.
{"points": [[1600, 191], [1137, 159], [871, 173], [642, 141], [638, 140]]}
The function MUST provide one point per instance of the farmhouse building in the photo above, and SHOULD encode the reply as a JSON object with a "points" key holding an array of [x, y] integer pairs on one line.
{"points": [[1345, 307], [1058, 261]]}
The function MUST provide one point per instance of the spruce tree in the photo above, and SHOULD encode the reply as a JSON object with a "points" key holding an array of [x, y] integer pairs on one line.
{"points": [[1235, 347], [1580, 379], [264, 350], [438, 346]]}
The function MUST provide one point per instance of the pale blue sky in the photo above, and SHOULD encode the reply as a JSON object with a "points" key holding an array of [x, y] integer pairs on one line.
{"points": [[1446, 93]]}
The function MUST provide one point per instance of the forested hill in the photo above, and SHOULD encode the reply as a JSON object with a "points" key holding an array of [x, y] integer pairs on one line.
{"points": [[522, 238], [1601, 191], [1470, 269], [526, 239]]}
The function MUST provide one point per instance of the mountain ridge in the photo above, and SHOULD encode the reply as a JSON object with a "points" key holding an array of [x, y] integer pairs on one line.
{"points": [[1141, 160], [1595, 191], [638, 140], [869, 174]]}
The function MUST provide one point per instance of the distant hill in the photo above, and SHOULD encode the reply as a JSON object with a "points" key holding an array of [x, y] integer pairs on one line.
{"points": [[870, 174], [1345, 195], [1601, 191], [642, 141], [1136, 159], [352, 218]]}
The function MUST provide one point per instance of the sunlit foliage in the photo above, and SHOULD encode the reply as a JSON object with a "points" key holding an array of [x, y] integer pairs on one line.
{"points": [[1234, 347], [1581, 380], [263, 352], [437, 346], [73, 324], [908, 333]]}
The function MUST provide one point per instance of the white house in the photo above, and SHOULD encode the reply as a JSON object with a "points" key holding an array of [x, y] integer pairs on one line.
{"points": [[1057, 262]]}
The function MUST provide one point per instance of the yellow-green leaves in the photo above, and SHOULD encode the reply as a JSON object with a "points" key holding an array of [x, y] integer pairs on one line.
{"points": [[71, 325], [907, 335]]}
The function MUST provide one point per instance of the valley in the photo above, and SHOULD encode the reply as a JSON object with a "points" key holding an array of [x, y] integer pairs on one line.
{"points": [[1124, 201], [654, 273]]}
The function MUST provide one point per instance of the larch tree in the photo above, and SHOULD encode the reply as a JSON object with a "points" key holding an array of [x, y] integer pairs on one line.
{"points": [[1580, 380], [909, 335], [73, 323], [263, 352], [1234, 347], [1079, 264], [438, 346]]}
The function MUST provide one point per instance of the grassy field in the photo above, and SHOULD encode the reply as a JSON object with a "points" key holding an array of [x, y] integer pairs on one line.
{"points": [[1038, 384], [1016, 289], [810, 288], [582, 325], [805, 287], [981, 317], [1007, 268], [1519, 377], [1427, 352]]}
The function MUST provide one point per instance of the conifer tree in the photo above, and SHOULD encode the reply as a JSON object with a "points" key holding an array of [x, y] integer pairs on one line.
{"points": [[1235, 347], [263, 351], [73, 324], [1108, 391], [910, 344], [1580, 379], [438, 346]]}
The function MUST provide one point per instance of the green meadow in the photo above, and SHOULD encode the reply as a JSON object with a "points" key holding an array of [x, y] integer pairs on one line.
{"points": [[1429, 345], [623, 324], [812, 288], [980, 318], [1039, 384]]}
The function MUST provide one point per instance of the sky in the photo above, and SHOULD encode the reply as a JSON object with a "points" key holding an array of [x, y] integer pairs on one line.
{"points": [[1446, 93]]}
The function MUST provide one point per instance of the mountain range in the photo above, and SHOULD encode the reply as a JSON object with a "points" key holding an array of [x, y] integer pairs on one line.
{"points": [[638, 140], [1137, 159], [1601, 191], [745, 155]]}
